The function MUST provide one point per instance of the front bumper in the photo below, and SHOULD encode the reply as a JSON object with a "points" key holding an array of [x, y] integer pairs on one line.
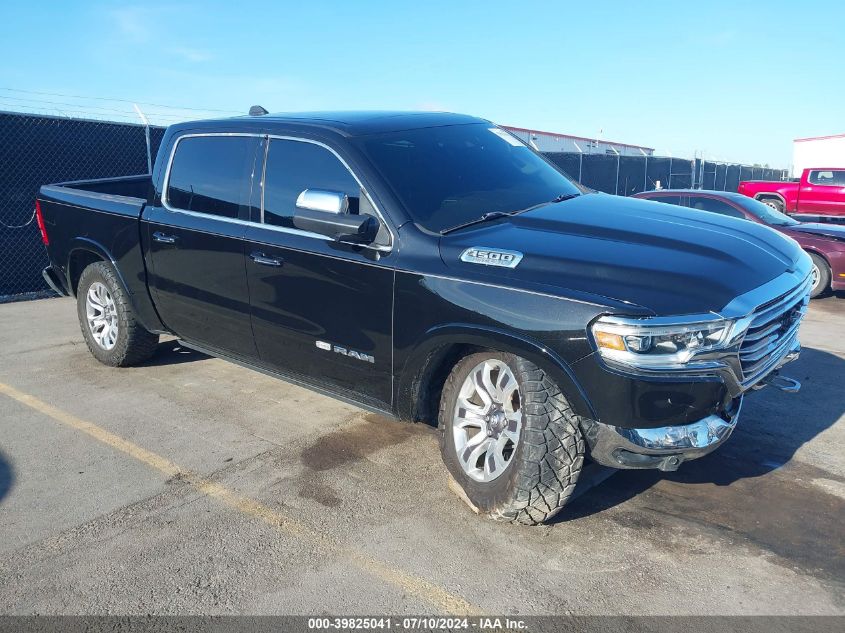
{"points": [[664, 448], [667, 447]]}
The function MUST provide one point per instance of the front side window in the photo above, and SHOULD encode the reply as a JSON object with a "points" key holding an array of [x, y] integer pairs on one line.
{"points": [[450, 175], [828, 177], [294, 166], [715, 206], [212, 174]]}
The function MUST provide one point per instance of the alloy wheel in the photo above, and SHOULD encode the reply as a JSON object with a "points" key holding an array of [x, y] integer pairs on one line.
{"points": [[101, 312], [487, 420]]}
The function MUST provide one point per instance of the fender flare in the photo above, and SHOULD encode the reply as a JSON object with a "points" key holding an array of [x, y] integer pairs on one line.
{"points": [[92, 246], [150, 321], [414, 376]]}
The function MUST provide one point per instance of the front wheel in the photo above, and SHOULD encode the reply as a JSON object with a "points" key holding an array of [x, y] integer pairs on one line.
{"points": [[509, 438], [821, 276], [111, 330]]}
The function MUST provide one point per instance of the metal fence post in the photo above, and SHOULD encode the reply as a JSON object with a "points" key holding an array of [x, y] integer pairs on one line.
{"points": [[147, 135], [645, 174], [618, 164]]}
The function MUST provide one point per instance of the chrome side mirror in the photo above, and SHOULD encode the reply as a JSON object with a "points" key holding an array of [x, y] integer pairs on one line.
{"points": [[323, 200], [327, 213]]}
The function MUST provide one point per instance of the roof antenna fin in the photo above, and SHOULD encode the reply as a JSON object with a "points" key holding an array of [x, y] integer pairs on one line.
{"points": [[257, 110]]}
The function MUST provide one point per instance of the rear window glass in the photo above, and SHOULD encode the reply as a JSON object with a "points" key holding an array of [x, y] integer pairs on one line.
{"points": [[212, 174]]}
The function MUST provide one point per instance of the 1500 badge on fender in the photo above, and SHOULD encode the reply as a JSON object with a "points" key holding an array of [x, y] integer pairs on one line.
{"points": [[491, 257]]}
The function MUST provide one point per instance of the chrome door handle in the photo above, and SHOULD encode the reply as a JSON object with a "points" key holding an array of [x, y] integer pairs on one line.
{"points": [[158, 236], [261, 258]]}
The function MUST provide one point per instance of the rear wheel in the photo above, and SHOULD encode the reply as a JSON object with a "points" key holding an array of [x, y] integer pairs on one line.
{"points": [[774, 203], [509, 438], [821, 276], [113, 334]]}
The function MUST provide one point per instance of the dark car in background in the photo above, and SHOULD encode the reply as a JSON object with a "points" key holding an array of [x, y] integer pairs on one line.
{"points": [[825, 243]]}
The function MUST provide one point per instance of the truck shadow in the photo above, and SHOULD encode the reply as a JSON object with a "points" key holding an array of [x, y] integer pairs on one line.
{"points": [[772, 427], [172, 352], [7, 476]]}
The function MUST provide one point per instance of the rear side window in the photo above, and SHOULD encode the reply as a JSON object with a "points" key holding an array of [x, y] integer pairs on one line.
{"points": [[666, 199], [834, 178], [212, 174], [714, 206], [294, 166]]}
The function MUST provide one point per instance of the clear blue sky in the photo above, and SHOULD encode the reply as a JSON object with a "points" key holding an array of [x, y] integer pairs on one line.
{"points": [[735, 80]]}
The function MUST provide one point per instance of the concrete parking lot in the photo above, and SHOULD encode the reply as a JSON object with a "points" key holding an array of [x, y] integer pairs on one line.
{"points": [[191, 485]]}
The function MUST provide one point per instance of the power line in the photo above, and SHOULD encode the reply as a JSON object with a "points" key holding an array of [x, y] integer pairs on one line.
{"points": [[86, 107], [155, 105], [77, 113]]}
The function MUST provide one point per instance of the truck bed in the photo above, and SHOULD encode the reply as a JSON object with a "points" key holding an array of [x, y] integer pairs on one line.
{"points": [[91, 220], [125, 195]]}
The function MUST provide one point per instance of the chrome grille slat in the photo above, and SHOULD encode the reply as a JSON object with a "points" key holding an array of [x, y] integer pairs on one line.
{"points": [[754, 370], [772, 332], [771, 344], [757, 334]]}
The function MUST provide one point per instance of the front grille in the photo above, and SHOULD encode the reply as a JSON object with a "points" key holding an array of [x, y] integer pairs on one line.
{"points": [[772, 333]]}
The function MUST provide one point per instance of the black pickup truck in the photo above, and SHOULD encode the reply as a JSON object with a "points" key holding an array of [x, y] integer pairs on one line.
{"points": [[432, 267]]}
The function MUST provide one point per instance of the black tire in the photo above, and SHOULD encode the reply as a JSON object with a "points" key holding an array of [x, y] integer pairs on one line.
{"points": [[823, 269], [544, 467], [775, 203], [133, 343]]}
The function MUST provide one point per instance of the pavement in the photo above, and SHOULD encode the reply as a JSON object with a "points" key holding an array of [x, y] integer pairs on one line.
{"points": [[194, 486]]}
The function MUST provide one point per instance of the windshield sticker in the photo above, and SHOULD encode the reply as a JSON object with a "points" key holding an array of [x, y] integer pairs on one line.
{"points": [[510, 138]]}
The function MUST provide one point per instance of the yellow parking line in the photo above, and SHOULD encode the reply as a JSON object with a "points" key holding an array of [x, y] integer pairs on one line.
{"points": [[413, 585]]}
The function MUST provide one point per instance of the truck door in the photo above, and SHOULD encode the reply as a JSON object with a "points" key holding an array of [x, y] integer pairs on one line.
{"points": [[195, 241], [321, 310], [822, 192]]}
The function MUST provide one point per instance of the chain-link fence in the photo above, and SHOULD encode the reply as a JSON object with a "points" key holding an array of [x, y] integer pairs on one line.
{"points": [[37, 150], [627, 175]]}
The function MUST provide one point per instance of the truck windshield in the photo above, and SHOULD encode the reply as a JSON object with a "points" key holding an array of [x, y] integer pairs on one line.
{"points": [[767, 214], [452, 175]]}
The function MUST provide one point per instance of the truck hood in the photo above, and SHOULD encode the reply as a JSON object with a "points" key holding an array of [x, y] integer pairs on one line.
{"points": [[664, 258], [822, 230]]}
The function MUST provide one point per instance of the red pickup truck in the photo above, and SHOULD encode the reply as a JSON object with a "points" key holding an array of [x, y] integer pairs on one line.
{"points": [[818, 195]]}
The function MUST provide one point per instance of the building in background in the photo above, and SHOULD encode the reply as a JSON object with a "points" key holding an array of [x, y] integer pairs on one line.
{"points": [[817, 151], [552, 142]]}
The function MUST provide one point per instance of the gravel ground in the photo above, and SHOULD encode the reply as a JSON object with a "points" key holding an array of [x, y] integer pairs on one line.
{"points": [[191, 485]]}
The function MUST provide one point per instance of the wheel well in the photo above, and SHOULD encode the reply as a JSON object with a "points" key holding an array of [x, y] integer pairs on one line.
{"points": [[811, 251], [766, 196], [80, 259], [427, 387]]}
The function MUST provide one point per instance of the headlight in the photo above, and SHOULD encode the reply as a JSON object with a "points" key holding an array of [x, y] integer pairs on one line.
{"points": [[655, 344]]}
